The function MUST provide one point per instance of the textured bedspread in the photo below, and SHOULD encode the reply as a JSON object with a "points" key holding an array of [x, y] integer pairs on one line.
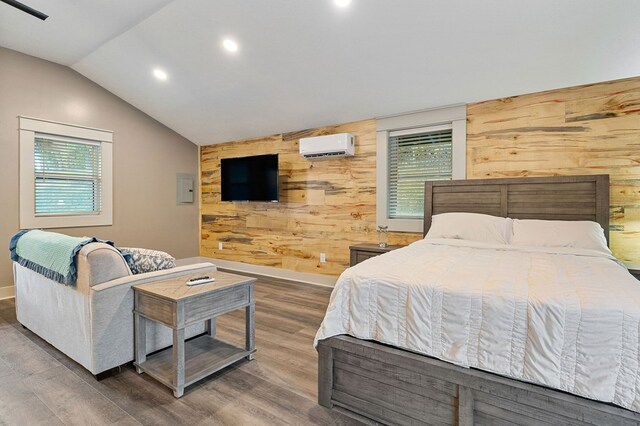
{"points": [[564, 318]]}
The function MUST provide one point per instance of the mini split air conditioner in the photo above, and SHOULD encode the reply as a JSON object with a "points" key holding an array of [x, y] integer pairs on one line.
{"points": [[338, 145]]}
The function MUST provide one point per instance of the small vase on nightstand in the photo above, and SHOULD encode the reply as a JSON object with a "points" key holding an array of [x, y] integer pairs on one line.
{"points": [[383, 236]]}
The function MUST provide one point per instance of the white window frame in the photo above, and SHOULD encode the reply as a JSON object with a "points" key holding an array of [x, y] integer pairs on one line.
{"points": [[29, 127], [454, 116]]}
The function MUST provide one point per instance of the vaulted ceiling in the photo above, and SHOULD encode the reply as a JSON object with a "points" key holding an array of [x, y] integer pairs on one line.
{"points": [[307, 63]]}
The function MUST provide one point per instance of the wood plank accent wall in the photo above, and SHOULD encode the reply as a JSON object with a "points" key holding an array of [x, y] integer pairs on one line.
{"points": [[590, 129], [325, 205]]}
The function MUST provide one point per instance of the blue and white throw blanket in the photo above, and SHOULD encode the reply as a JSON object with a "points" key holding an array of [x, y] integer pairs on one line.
{"points": [[51, 254]]}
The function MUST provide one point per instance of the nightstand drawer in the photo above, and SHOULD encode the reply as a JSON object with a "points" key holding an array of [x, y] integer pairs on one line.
{"points": [[361, 256], [362, 252]]}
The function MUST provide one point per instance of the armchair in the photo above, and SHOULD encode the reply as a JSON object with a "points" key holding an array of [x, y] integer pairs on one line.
{"points": [[92, 321]]}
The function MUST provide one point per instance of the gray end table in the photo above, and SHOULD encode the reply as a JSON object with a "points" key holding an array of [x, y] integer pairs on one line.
{"points": [[177, 305]]}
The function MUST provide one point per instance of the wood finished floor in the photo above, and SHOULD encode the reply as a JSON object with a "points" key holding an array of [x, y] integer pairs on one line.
{"points": [[40, 385]]}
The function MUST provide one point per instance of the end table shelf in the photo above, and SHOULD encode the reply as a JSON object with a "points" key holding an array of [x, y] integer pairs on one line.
{"points": [[204, 355], [177, 305]]}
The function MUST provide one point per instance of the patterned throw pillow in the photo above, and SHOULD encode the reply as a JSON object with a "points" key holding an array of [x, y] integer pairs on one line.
{"points": [[144, 260]]}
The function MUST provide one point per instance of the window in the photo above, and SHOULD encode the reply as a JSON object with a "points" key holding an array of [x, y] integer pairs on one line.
{"points": [[412, 149], [65, 175], [416, 156]]}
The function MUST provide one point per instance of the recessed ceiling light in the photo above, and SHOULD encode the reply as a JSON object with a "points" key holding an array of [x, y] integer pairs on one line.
{"points": [[159, 74], [230, 45], [342, 3]]}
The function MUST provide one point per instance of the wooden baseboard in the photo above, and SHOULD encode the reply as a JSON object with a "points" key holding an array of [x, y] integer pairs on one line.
{"points": [[268, 271], [7, 292]]}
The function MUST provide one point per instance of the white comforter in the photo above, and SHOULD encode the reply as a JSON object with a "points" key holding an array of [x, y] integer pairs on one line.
{"points": [[565, 318]]}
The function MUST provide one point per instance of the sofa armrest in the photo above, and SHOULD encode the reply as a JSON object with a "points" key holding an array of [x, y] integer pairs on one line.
{"points": [[111, 312], [99, 263], [165, 274]]}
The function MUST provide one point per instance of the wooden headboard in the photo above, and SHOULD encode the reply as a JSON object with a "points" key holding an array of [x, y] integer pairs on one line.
{"points": [[550, 198]]}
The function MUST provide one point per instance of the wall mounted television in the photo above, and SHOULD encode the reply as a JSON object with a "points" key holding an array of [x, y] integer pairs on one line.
{"points": [[252, 178]]}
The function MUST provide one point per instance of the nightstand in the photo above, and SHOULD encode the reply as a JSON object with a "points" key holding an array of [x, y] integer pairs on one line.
{"points": [[362, 252]]}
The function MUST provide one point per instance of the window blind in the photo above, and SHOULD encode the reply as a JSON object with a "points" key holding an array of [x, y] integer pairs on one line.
{"points": [[416, 156], [68, 176]]}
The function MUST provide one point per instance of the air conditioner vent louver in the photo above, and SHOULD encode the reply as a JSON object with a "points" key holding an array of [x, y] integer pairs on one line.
{"points": [[328, 154], [329, 146]]}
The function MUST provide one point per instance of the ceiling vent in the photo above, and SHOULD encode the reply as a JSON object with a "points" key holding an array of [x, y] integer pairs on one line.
{"points": [[329, 146]]}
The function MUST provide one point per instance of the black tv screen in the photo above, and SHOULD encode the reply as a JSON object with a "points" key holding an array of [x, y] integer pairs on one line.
{"points": [[249, 178]]}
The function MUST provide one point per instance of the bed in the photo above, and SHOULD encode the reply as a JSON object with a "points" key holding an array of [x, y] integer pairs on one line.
{"points": [[384, 376]]}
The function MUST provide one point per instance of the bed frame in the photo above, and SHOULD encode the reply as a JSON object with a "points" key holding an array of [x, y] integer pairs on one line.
{"points": [[378, 383], [550, 198]]}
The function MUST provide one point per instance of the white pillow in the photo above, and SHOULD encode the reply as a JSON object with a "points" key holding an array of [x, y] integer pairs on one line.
{"points": [[471, 227], [559, 233]]}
